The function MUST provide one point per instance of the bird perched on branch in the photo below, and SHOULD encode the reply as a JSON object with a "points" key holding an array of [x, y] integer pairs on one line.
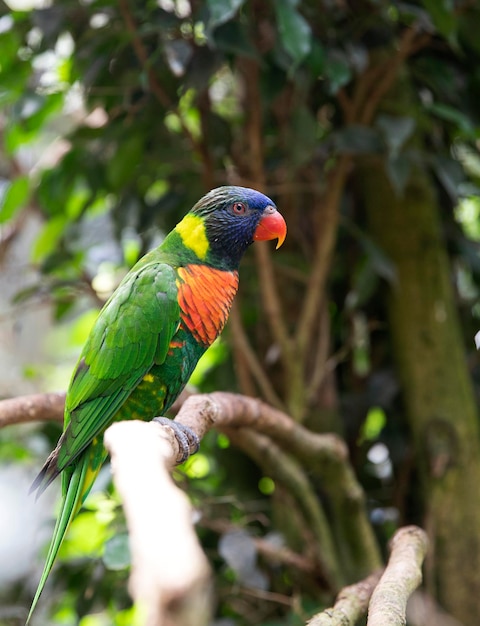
{"points": [[148, 338]]}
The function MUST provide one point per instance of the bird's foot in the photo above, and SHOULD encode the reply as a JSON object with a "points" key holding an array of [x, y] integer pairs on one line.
{"points": [[185, 436]]}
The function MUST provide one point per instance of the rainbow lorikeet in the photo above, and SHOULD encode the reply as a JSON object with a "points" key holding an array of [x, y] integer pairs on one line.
{"points": [[148, 337]]}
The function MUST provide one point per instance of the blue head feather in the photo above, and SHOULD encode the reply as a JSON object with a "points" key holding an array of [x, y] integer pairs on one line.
{"points": [[229, 235]]}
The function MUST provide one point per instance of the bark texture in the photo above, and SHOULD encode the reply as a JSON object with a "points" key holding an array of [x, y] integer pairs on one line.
{"points": [[437, 389]]}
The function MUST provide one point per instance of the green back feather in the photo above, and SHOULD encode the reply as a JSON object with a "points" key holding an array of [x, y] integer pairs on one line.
{"points": [[131, 334]]}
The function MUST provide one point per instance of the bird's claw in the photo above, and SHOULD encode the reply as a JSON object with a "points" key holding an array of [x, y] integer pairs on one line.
{"points": [[185, 436]]}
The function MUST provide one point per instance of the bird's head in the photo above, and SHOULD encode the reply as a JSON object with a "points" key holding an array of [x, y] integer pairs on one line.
{"points": [[222, 225]]}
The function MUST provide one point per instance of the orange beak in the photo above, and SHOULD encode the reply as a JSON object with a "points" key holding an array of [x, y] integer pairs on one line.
{"points": [[271, 226]]}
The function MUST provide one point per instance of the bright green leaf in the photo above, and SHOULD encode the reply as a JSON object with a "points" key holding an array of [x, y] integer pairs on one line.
{"points": [[82, 327], [14, 198], [374, 424], [48, 238], [266, 485], [85, 537], [197, 466]]}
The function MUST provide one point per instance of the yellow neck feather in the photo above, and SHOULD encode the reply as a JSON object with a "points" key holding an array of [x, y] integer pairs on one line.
{"points": [[192, 231]]}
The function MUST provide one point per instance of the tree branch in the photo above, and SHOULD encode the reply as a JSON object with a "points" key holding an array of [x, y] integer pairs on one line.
{"points": [[287, 471], [402, 576], [351, 604], [325, 245], [242, 344], [170, 577], [325, 456], [41, 407], [269, 292]]}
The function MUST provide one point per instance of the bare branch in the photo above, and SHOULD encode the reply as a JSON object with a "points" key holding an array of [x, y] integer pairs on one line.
{"points": [[325, 455], [254, 126], [43, 407], [170, 577], [242, 344], [351, 604], [387, 72], [285, 470], [402, 576], [324, 250]]}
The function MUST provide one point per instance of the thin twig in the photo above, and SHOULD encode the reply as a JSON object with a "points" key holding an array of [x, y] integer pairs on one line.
{"points": [[388, 73], [324, 250], [269, 292], [242, 344]]}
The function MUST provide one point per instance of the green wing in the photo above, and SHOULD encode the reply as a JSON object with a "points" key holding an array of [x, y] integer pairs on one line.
{"points": [[131, 334]]}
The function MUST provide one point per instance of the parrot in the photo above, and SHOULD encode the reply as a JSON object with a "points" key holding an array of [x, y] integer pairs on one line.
{"points": [[147, 339]]}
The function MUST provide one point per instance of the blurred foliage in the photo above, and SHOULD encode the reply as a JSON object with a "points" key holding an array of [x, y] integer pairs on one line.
{"points": [[115, 117]]}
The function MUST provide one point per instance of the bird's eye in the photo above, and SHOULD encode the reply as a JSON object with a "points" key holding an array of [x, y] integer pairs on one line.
{"points": [[238, 208]]}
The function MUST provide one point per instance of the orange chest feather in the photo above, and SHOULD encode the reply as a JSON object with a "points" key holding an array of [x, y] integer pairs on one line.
{"points": [[205, 296]]}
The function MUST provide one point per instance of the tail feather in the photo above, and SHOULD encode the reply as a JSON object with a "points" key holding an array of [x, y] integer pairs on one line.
{"points": [[74, 493], [47, 474]]}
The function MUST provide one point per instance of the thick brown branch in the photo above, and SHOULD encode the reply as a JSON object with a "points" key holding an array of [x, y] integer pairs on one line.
{"points": [[43, 407], [170, 576], [326, 456], [402, 576]]}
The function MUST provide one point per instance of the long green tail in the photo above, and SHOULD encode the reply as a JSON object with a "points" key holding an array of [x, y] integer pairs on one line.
{"points": [[75, 487]]}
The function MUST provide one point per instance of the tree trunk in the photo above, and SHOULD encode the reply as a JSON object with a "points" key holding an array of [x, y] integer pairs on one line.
{"points": [[438, 393]]}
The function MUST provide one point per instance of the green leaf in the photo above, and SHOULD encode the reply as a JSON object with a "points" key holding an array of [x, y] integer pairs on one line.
{"points": [[48, 238], [337, 71], [86, 537], [398, 171], [13, 198], [294, 30], [304, 135], [356, 139], [374, 424], [443, 16], [116, 555], [233, 38], [460, 119], [396, 130], [122, 165], [222, 11]]}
